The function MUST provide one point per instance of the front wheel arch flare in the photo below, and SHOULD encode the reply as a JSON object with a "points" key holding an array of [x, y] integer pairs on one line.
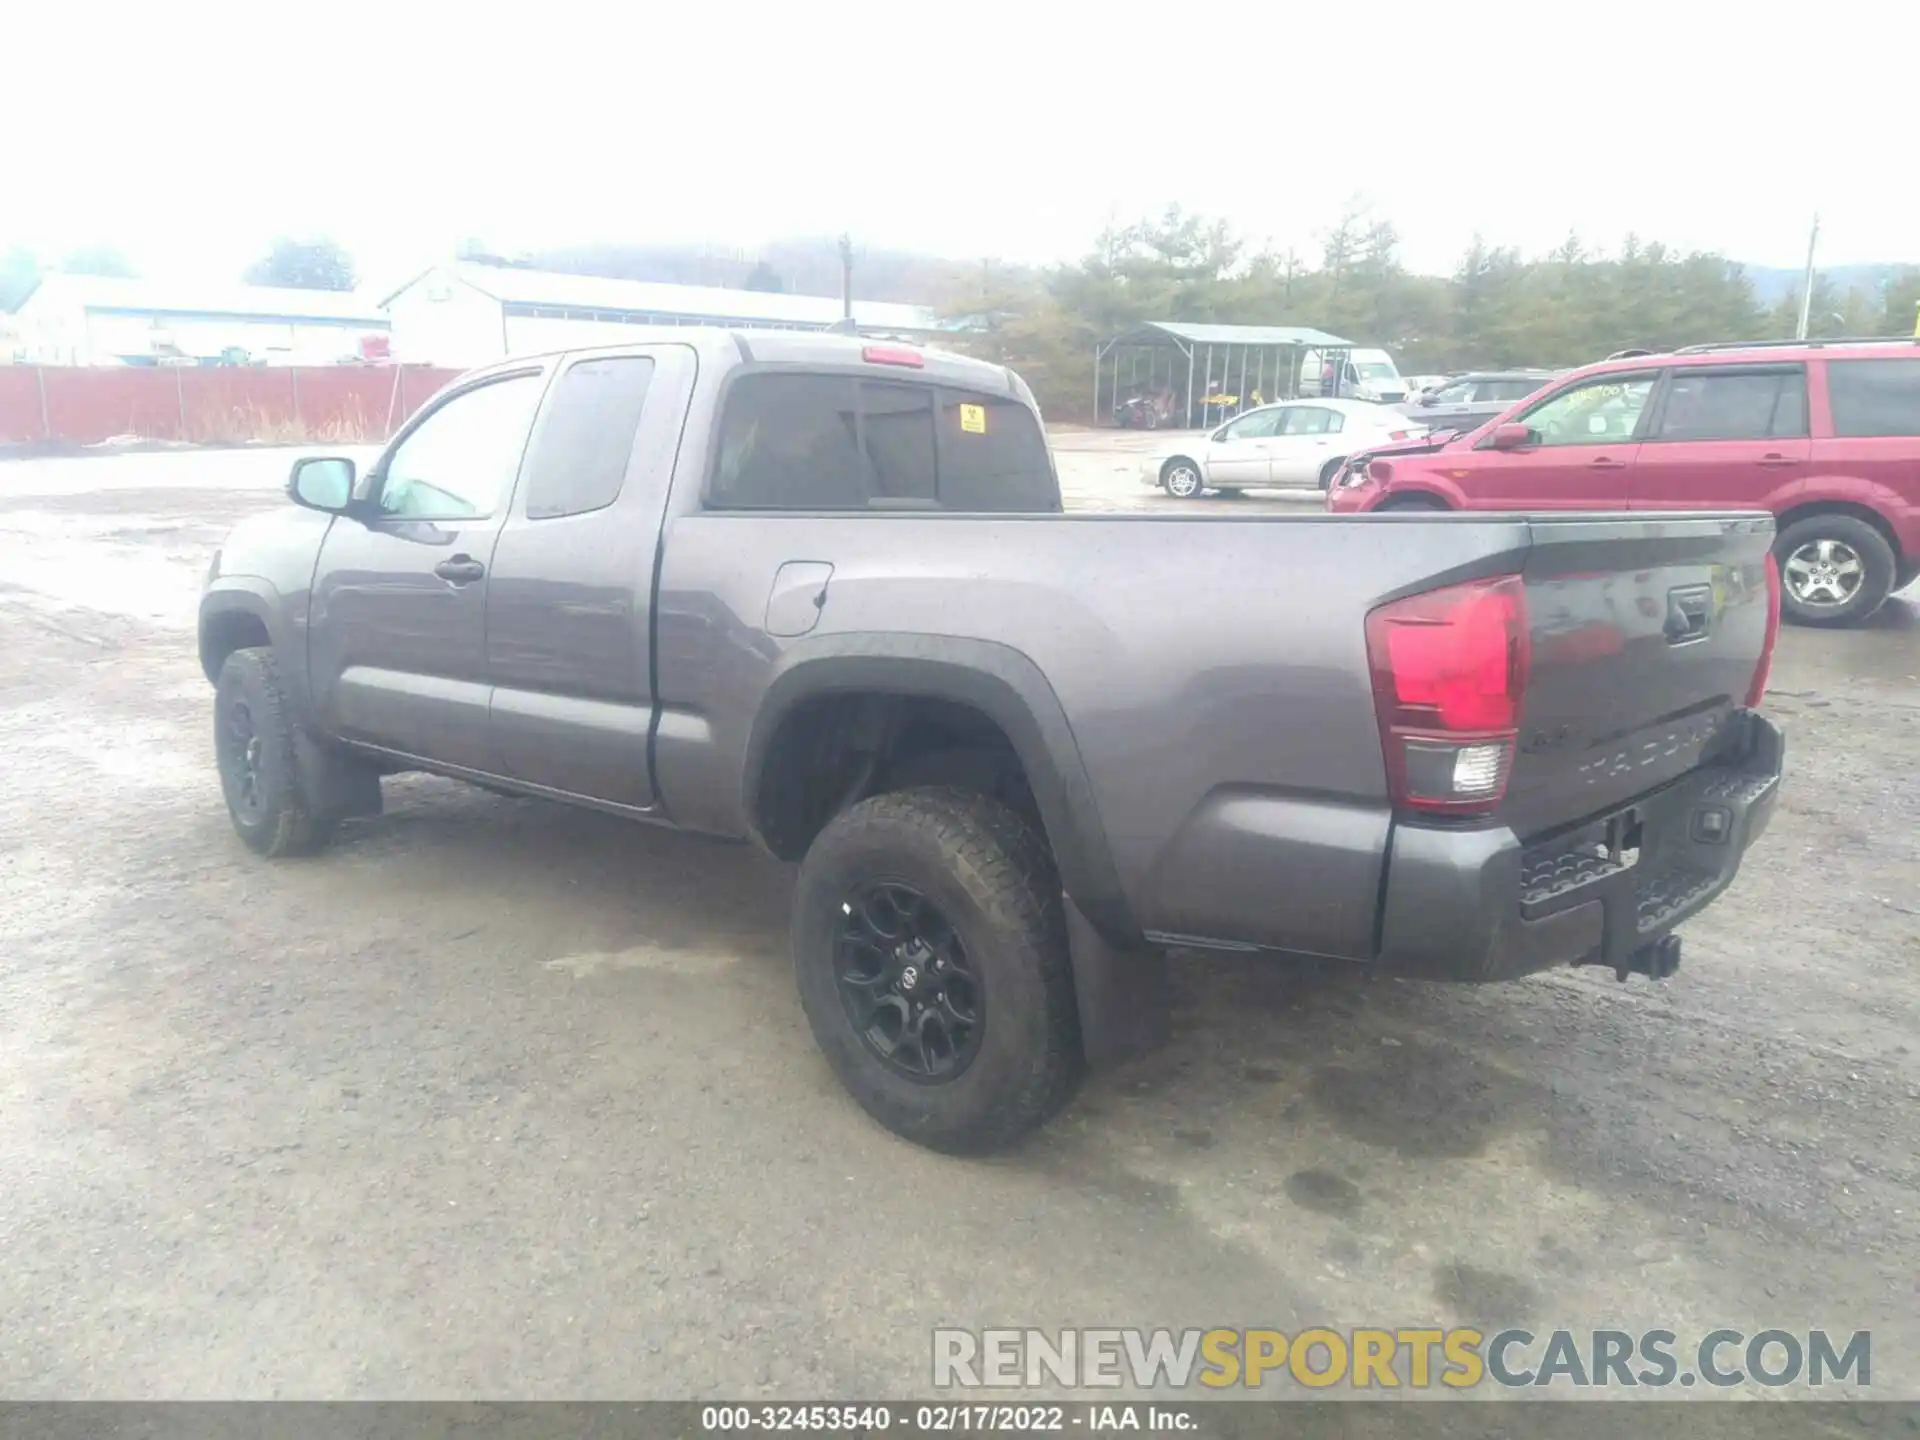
{"points": [[1414, 500]]}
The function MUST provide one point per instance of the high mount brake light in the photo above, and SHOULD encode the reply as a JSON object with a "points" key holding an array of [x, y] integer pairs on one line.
{"points": [[1756, 691], [1449, 670], [893, 355]]}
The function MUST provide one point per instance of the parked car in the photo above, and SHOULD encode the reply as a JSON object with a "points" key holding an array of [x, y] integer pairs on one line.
{"points": [[1418, 385], [1466, 402], [819, 594], [1293, 443], [1825, 435], [1366, 375]]}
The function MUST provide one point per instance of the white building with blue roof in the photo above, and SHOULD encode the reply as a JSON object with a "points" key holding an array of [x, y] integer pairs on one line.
{"points": [[463, 313]]}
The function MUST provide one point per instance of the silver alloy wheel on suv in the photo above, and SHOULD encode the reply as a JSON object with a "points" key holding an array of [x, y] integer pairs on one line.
{"points": [[1182, 479], [1824, 573]]}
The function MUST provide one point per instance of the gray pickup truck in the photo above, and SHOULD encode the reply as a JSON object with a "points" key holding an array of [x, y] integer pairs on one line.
{"points": [[819, 594]]}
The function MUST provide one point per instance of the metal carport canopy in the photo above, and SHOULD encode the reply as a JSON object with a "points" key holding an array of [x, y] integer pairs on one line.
{"points": [[1260, 350], [1148, 331]]}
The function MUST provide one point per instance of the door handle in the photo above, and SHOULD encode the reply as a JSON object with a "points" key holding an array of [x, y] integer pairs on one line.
{"points": [[1774, 462], [1689, 614], [460, 570], [1603, 463]]}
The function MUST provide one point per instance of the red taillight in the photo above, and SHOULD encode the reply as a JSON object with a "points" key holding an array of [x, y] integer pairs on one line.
{"points": [[1449, 670], [1401, 434], [1758, 689], [893, 355]]}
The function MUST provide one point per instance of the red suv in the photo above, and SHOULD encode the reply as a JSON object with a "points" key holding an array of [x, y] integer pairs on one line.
{"points": [[1826, 435]]}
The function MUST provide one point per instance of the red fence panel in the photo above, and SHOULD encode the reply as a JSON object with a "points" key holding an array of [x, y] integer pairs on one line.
{"points": [[211, 405], [349, 404], [419, 384], [225, 406], [88, 406], [20, 416]]}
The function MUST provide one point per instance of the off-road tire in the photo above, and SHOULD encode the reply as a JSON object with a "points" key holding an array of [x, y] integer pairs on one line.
{"points": [[1876, 557], [992, 876], [284, 821]]}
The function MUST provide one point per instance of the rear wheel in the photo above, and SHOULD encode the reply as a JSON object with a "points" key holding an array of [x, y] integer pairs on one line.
{"points": [[929, 941], [1180, 478], [1411, 502], [1330, 472], [1834, 570]]}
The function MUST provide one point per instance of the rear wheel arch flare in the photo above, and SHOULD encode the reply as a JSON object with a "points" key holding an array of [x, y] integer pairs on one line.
{"points": [[996, 681]]}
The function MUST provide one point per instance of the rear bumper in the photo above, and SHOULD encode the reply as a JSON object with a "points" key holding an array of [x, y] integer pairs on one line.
{"points": [[1479, 905]]}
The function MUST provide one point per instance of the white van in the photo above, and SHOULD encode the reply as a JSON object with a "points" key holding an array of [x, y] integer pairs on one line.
{"points": [[1370, 375]]}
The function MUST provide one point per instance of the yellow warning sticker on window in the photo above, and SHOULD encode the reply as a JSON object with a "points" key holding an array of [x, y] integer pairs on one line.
{"points": [[973, 419]]}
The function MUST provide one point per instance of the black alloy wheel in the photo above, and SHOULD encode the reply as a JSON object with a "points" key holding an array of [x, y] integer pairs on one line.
{"points": [[909, 988], [241, 754]]}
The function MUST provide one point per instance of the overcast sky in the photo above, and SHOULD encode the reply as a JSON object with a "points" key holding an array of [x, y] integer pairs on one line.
{"points": [[190, 134]]}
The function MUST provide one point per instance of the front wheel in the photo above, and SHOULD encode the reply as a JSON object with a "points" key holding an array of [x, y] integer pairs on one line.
{"points": [[1834, 570], [929, 942], [1330, 472], [1410, 502], [253, 745], [1181, 479]]}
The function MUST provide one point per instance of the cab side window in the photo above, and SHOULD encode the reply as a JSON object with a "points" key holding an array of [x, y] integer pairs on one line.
{"points": [[1874, 397], [579, 459], [1257, 426], [460, 463], [1313, 420], [1728, 404], [1601, 411], [1505, 392]]}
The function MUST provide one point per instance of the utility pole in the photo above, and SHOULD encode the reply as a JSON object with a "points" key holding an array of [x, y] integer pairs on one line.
{"points": [[1806, 288], [846, 278]]}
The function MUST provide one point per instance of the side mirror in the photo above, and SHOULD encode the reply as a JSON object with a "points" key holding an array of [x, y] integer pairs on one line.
{"points": [[322, 482], [1429, 397], [1513, 436]]}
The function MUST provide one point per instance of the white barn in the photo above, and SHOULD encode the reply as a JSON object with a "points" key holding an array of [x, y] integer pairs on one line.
{"points": [[104, 320], [463, 314]]}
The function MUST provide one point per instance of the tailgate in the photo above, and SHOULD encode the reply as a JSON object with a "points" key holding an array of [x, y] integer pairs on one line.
{"points": [[1645, 635]]}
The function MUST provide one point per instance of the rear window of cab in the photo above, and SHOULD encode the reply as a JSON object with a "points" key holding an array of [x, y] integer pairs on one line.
{"points": [[796, 441]]}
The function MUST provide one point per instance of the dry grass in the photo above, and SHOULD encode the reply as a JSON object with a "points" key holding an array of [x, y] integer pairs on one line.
{"points": [[255, 424]]}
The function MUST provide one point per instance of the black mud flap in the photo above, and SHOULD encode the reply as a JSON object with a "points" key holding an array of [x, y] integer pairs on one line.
{"points": [[337, 785], [1125, 997]]}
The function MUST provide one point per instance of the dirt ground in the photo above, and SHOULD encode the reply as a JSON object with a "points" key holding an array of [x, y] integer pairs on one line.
{"points": [[500, 1099]]}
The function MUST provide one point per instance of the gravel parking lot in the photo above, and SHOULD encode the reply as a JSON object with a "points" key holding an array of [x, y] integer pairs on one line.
{"points": [[500, 1099]]}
